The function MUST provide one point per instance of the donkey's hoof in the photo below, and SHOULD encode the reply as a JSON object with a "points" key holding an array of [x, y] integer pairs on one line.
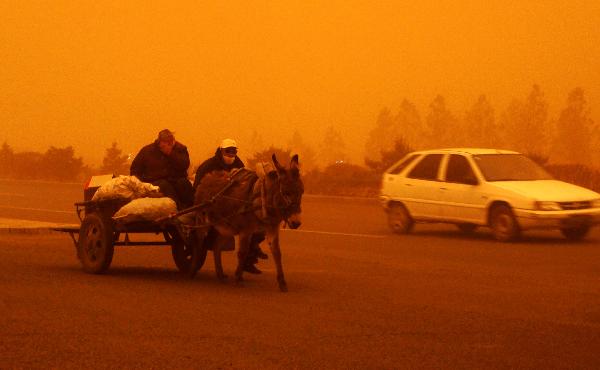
{"points": [[222, 278], [283, 287]]}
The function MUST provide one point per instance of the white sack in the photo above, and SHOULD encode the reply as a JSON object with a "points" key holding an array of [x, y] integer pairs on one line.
{"points": [[145, 209], [125, 187]]}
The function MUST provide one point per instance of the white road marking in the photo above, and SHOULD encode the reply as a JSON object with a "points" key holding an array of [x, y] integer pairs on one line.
{"points": [[12, 195], [295, 231], [37, 209], [337, 233]]}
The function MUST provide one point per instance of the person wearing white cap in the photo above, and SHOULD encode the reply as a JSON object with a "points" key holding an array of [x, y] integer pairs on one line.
{"points": [[226, 159]]}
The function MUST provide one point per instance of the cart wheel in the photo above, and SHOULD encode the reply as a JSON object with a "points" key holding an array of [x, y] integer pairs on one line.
{"points": [[96, 244], [181, 251], [199, 252]]}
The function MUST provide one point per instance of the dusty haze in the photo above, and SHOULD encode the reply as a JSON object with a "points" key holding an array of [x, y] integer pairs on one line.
{"points": [[87, 73]]}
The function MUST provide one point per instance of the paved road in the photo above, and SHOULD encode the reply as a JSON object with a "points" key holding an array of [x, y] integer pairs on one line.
{"points": [[359, 298]]}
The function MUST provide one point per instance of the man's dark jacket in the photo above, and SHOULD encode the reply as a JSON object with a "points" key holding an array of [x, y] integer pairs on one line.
{"points": [[215, 163], [150, 164]]}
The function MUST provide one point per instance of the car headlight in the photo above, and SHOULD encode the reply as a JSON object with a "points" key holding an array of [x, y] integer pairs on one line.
{"points": [[595, 203], [548, 206]]}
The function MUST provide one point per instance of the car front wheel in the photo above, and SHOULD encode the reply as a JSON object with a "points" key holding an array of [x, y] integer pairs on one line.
{"points": [[503, 223], [575, 233], [399, 219]]}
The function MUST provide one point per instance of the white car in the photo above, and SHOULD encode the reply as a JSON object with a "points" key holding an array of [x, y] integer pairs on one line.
{"points": [[501, 189]]}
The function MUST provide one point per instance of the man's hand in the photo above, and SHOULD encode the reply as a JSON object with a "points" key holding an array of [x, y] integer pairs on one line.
{"points": [[166, 146]]}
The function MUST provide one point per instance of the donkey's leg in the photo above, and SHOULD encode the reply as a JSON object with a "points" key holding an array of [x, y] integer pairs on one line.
{"points": [[217, 255], [273, 238], [243, 248]]}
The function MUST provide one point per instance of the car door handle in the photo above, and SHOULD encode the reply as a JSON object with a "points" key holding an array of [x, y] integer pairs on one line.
{"points": [[408, 184], [443, 188]]}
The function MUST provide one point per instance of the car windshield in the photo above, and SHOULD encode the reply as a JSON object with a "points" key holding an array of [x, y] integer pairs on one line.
{"points": [[510, 167]]}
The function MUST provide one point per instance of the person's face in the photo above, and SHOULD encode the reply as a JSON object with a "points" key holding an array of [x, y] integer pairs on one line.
{"points": [[166, 146], [229, 155]]}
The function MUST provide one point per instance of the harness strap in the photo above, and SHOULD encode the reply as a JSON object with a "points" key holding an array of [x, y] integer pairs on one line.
{"points": [[263, 199]]}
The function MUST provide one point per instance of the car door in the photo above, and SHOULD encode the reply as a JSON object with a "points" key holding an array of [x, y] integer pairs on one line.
{"points": [[421, 188], [460, 194], [392, 185]]}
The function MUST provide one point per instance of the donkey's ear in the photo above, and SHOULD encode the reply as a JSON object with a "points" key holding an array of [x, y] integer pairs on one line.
{"points": [[294, 161], [276, 163], [295, 167]]}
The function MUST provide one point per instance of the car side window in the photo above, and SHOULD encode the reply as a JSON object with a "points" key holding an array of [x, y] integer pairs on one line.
{"points": [[427, 168], [459, 170], [403, 164]]}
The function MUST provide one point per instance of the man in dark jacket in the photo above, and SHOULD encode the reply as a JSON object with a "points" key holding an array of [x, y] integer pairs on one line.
{"points": [[164, 163], [226, 159]]}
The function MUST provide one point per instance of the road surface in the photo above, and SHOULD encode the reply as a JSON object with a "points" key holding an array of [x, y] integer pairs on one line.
{"points": [[359, 297]]}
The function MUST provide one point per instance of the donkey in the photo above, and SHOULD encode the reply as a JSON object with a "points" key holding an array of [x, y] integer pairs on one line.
{"points": [[242, 203]]}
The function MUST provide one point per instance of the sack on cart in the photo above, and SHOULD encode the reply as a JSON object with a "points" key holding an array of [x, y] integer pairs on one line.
{"points": [[126, 187], [145, 209]]}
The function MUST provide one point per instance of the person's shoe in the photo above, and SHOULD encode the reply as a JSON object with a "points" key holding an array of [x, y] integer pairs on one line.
{"points": [[262, 255], [252, 269]]}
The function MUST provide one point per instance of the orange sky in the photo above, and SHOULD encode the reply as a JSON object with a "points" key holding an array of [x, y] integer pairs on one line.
{"points": [[86, 73]]}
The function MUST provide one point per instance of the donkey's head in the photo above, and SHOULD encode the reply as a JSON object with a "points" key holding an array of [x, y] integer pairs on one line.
{"points": [[288, 191]]}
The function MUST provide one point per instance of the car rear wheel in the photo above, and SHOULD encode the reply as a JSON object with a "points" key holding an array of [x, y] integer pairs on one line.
{"points": [[399, 219], [575, 233], [503, 223]]}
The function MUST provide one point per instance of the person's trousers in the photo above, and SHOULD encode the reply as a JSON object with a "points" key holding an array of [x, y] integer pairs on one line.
{"points": [[179, 189]]}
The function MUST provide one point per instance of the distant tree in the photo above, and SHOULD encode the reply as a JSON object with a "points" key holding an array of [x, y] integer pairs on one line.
{"points": [[409, 125], [283, 157], [389, 157], [115, 161], [595, 143], [87, 171], [305, 152], [382, 136], [538, 158], [507, 124], [61, 164], [525, 124], [574, 130], [28, 165], [256, 142], [480, 126], [442, 126], [333, 148], [6, 160]]}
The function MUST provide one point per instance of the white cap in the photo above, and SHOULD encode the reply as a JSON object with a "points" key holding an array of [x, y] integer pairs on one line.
{"points": [[228, 143]]}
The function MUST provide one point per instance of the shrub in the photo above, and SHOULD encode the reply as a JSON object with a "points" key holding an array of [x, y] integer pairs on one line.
{"points": [[577, 174], [342, 179]]}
